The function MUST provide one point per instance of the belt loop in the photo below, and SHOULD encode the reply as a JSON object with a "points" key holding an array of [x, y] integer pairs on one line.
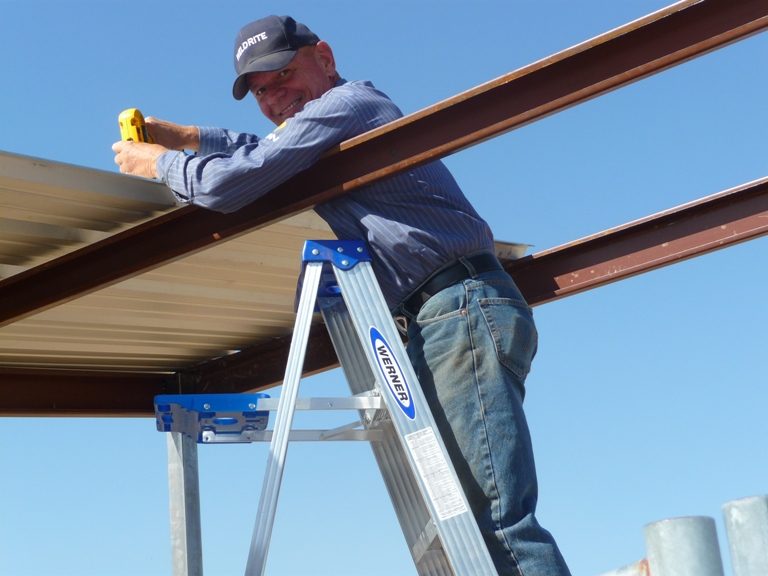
{"points": [[402, 321], [468, 265]]}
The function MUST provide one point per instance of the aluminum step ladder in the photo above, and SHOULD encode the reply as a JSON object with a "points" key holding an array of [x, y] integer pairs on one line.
{"points": [[430, 505]]}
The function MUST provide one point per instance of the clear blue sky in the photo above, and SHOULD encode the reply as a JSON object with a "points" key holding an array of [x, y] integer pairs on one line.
{"points": [[647, 398]]}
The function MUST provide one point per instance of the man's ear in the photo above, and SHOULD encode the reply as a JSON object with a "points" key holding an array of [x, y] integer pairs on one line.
{"points": [[324, 56]]}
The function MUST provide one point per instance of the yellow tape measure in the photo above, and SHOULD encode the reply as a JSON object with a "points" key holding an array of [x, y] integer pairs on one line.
{"points": [[132, 126]]}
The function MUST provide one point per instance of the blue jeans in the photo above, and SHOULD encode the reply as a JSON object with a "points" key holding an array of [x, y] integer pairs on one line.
{"points": [[471, 346]]}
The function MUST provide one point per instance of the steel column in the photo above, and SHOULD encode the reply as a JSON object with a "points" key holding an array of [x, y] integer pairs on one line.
{"points": [[184, 495]]}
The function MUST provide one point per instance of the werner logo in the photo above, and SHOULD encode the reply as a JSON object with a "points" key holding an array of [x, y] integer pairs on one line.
{"points": [[250, 42], [392, 373]]}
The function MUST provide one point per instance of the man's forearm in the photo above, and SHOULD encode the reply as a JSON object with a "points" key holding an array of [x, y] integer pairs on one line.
{"points": [[173, 136]]}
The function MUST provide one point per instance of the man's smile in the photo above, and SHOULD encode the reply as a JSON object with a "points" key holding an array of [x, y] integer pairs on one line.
{"points": [[290, 106]]}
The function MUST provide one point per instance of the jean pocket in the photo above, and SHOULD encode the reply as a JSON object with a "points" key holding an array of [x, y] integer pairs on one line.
{"points": [[449, 303], [510, 323]]}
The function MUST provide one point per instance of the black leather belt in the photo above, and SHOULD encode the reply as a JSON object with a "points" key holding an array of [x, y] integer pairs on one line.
{"points": [[448, 276]]}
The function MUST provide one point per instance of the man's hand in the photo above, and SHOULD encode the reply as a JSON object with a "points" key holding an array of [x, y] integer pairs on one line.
{"points": [[138, 158], [173, 136]]}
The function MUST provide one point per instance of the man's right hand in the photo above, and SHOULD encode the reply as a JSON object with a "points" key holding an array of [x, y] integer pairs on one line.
{"points": [[173, 136]]}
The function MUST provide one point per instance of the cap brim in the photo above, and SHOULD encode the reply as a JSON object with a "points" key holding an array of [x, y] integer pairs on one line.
{"points": [[267, 63]]}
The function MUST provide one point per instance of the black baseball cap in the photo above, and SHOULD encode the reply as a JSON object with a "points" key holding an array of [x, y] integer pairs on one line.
{"points": [[268, 44]]}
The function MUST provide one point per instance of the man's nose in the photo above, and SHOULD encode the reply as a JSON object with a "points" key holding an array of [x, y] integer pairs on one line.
{"points": [[274, 94]]}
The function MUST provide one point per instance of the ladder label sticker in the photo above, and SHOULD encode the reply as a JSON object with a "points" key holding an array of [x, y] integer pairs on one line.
{"points": [[435, 473], [393, 375]]}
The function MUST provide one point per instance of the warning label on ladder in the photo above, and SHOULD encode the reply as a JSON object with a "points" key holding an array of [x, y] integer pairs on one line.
{"points": [[434, 471]]}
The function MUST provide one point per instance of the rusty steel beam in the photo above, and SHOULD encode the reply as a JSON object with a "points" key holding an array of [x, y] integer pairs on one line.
{"points": [[706, 225], [81, 393], [712, 223], [690, 230], [658, 41], [41, 392]]}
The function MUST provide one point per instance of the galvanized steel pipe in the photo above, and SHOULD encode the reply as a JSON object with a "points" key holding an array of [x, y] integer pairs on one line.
{"points": [[746, 524], [184, 494], [683, 547]]}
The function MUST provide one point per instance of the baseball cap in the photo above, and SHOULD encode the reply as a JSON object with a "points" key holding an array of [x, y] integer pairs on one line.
{"points": [[268, 44]]}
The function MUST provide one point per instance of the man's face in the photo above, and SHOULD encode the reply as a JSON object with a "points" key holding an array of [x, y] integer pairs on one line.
{"points": [[283, 93]]}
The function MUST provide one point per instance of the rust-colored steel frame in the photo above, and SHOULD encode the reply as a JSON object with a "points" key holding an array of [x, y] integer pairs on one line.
{"points": [[641, 48], [37, 392], [690, 230], [703, 226], [667, 37]]}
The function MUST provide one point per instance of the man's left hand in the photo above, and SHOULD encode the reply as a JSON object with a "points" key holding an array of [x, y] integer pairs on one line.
{"points": [[138, 158]]}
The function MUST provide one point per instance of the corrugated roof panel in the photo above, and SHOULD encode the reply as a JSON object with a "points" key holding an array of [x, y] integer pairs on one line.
{"points": [[233, 295], [236, 294], [48, 209]]}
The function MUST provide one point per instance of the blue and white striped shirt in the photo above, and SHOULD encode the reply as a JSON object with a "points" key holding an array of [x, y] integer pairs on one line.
{"points": [[413, 223]]}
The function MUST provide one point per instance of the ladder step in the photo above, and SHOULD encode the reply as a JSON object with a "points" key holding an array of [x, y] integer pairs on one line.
{"points": [[428, 540]]}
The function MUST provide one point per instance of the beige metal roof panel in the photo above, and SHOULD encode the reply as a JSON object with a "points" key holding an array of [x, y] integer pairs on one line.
{"points": [[233, 295], [209, 304], [236, 294], [48, 209]]}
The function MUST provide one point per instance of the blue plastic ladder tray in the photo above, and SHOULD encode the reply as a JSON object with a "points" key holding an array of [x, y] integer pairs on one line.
{"points": [[211, 418]]}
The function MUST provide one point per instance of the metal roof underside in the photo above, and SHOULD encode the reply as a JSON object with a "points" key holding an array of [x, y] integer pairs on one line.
{"points": [[203, 306], [214, 302]]}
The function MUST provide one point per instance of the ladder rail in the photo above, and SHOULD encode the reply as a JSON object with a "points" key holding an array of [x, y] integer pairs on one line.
{"points": [[402, 486], [278, 448], [462, 541]]}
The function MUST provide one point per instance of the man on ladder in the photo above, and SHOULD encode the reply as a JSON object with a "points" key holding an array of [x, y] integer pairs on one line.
{"points": [[471, 336]]}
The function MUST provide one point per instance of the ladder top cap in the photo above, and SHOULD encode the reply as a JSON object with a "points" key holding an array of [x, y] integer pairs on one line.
{"points": [[343, 254]]}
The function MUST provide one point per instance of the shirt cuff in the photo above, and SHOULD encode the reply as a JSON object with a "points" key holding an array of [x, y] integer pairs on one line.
{"points": [[164, 162], [212, 140]]}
